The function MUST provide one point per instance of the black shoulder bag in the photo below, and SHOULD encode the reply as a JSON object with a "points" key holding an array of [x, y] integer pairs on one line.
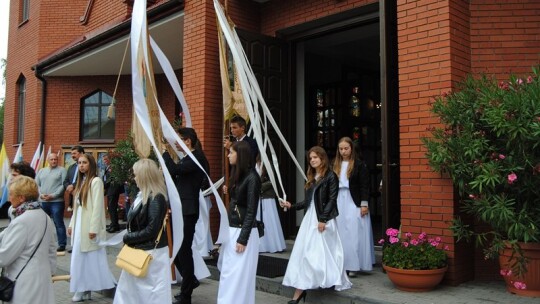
{"points": [[260, 224], [7, 286]]}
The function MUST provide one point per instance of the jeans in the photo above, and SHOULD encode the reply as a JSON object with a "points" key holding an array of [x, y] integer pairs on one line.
{"points": [[56, 211]]}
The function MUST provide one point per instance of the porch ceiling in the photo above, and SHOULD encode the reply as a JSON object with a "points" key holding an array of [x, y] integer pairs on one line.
{"points": [[107, 59]]}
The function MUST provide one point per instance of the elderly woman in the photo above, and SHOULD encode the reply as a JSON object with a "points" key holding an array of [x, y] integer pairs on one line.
{"points": [[145, 224], [28, 245]]}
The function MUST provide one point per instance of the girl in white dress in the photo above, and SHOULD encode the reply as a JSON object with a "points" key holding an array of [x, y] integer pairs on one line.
{"points": [[317, 256], [273, 239], [240, 253], [89, 267], [354, 221], [145, 222]]}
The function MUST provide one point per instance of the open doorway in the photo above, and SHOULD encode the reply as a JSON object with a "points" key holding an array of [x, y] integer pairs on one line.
{"points": [[342, 98]]}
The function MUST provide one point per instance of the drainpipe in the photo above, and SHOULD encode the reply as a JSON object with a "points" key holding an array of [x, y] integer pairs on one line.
{"points": [[43, 104]]}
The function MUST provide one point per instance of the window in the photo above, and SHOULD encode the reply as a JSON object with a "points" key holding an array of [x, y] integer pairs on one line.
{"points": [[95, 123], [21, 87], [25, 10]]}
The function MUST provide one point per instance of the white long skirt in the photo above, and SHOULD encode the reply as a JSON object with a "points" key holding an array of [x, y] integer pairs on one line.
{"points": [[356, 229], [317, 258], [238, 270], [89, 270], [202, 240], [154, 288], [273, 239]]}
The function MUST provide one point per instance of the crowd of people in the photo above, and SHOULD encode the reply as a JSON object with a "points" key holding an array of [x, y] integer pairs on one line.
{"points": [[336, 208]]}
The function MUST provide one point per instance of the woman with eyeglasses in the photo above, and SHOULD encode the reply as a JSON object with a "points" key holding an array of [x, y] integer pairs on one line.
{"points": [[28, 245]]}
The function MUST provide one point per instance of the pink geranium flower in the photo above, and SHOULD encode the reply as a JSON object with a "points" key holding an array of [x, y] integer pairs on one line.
{"points": [[392, 232], [520, 285]]}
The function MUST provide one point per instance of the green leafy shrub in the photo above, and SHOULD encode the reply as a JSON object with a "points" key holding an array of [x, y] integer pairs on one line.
{"points": [[489, 146]]}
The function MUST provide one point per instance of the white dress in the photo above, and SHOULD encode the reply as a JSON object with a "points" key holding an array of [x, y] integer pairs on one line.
{"points": [[273, 239], [317, 258], [356, 229], [154, 288], [89, 270], [202, 240], [238, 270]]}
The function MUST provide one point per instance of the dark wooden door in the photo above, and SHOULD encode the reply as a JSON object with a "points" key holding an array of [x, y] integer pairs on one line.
{"points": [[390, 115], [269, 59]]}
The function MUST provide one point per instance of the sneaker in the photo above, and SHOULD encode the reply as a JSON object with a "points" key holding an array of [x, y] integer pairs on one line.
{"points": [[351, 274], [61, 249]]}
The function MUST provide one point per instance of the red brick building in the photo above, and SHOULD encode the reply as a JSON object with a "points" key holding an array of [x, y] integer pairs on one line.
{"points": [[328, 68]]}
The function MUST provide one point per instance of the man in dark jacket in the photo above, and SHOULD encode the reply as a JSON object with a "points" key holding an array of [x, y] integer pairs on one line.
{"points": [[112, 191], [189, 179], [71, 176]]}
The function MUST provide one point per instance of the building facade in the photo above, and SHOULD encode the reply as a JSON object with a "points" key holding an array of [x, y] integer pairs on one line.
{"points": [[328, 68]]}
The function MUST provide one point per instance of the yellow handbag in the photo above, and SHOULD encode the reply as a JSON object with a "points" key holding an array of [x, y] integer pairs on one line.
{"points": [[137, 261]]}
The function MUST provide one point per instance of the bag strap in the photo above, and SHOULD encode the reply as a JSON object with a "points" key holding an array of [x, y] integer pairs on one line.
{"points": [[46, 224], [161, 230], [261, 209]]}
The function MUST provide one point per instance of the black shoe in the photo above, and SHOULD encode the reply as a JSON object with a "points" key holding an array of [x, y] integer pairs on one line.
{"points": [[182, 300], [179, 296], [61, 249], [113, 229], [302, 296], [69, 251]]}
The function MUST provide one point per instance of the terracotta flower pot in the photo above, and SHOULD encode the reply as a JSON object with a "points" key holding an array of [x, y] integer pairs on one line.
{"points": [[415, 280], [532, 278]]}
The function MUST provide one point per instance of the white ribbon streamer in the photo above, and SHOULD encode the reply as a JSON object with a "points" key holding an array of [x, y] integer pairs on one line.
{"points": [[253, 99]]}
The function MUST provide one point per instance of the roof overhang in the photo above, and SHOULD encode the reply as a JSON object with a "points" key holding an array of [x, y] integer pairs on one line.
{"points": [[85, 59]]}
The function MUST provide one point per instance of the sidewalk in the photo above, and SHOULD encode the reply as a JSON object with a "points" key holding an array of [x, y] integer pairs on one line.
{"points": [[372, 288]]}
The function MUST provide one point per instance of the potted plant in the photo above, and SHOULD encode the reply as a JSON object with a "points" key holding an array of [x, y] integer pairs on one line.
{"points": [[489, 145], [413, 264]]}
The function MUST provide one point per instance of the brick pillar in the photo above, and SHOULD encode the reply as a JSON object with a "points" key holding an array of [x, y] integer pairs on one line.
{"points": [[434, 53], [201, 84]]}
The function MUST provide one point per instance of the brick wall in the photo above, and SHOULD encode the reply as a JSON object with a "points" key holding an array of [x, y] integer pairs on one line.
{"points": [[505, 36], [202, 85], [22, 52]]}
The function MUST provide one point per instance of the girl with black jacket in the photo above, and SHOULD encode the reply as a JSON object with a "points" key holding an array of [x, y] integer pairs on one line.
{"points": [[145, 221], [240, 254], [317, 257], [354, 222]]}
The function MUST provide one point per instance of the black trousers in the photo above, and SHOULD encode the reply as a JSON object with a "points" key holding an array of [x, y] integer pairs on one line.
{"points": [[112, 202], [184, 259]]}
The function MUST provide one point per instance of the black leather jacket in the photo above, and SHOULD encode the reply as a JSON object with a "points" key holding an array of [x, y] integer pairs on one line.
{"points": [[243, 205], [359, 183], [324, 194], [144, 224]]}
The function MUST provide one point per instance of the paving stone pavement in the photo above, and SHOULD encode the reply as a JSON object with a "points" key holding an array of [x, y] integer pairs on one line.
{"points": [[370, 288]]}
